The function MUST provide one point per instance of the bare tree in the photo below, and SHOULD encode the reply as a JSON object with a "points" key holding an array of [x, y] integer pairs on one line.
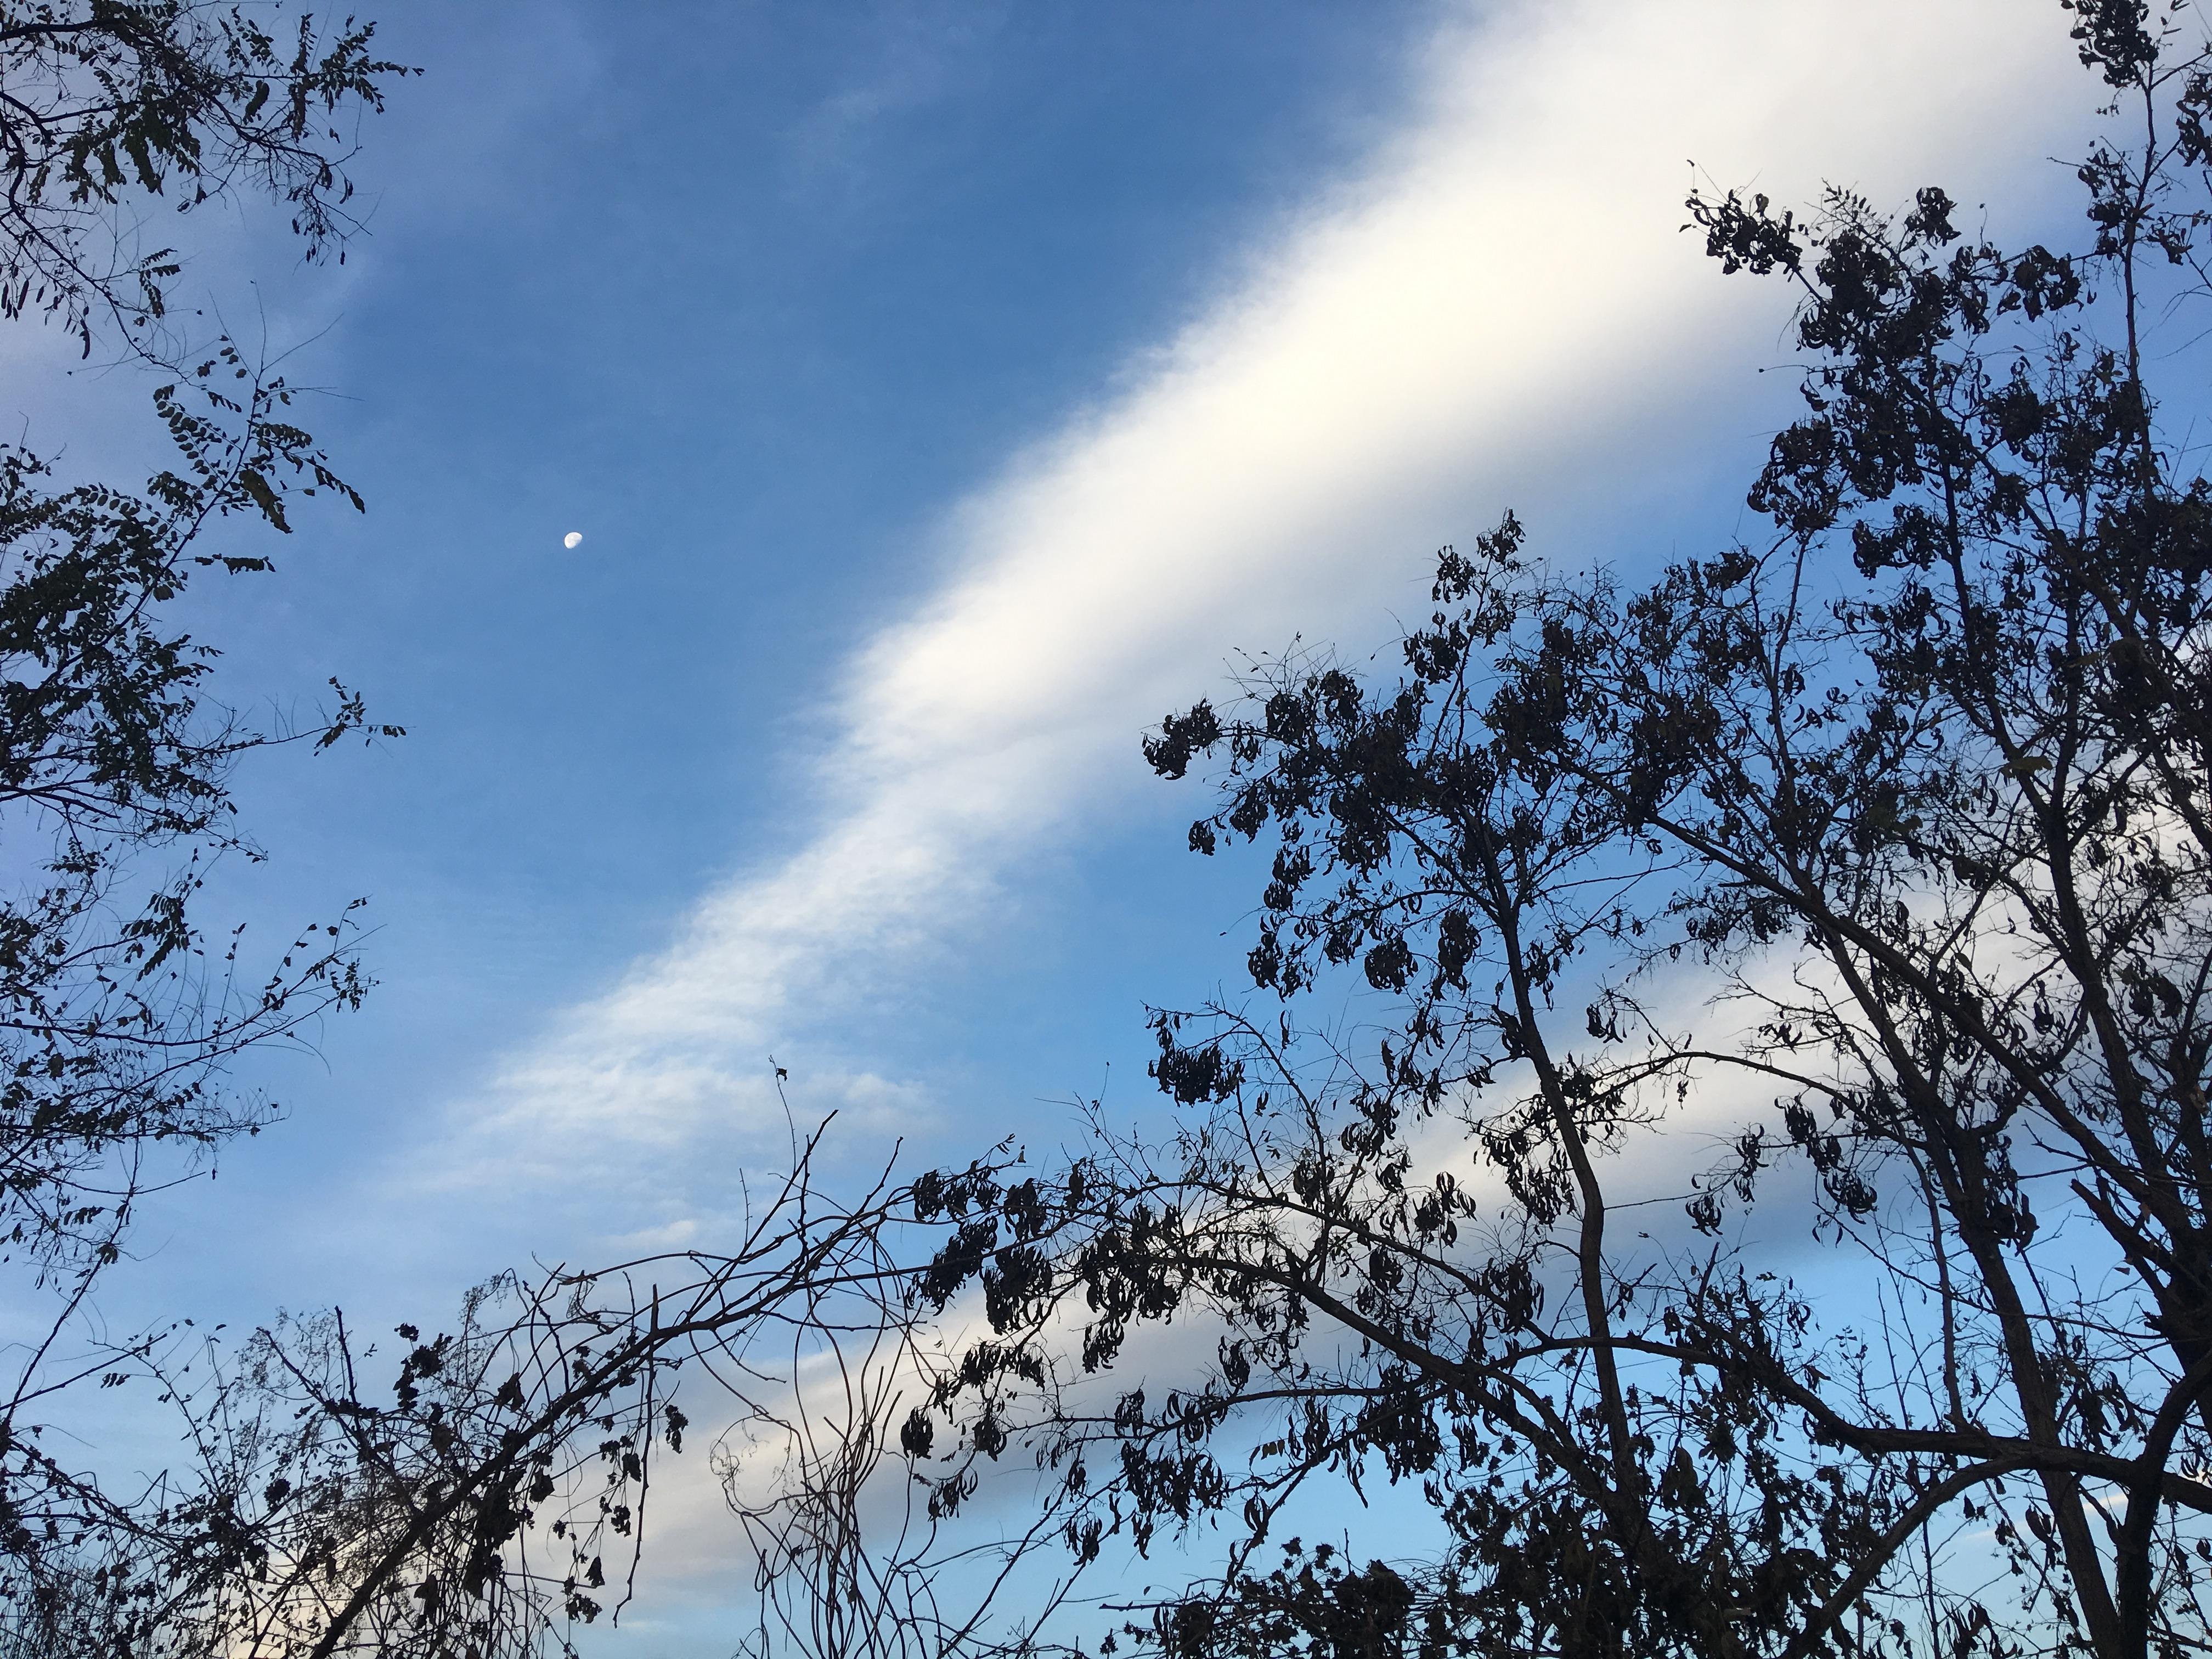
{"points": [[487, 1491]]}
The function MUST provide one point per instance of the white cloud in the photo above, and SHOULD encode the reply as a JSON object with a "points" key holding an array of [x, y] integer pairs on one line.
{"points": [[1499, 307]]}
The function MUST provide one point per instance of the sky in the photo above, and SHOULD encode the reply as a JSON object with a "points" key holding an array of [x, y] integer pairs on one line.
{"points": [[943, 393]]}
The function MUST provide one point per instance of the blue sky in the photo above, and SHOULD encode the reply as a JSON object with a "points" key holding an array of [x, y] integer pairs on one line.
{"points": [[942, 392]]}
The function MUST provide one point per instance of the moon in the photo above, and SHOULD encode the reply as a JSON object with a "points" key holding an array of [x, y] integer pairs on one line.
{"points": [[575, 538]]}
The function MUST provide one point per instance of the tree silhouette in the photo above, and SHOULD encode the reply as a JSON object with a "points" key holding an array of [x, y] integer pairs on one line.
{"points": [[119, 1018], [1879, 854]]}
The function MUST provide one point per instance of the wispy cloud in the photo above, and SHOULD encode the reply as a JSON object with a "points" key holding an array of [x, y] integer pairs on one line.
{"points": [[921, 54], [1500, 299]]}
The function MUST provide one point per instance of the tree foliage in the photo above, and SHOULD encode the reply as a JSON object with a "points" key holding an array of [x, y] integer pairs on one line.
{"points": [[1878, 854], [116, 1031], [120, 1018], [109, 103]]}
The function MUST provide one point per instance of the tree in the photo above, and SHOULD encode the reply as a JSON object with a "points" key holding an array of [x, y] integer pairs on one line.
{"points": [[108, 747], [485, 1491], [109, 102], [1918, 795], [118, 1020], [493, 1495]]}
